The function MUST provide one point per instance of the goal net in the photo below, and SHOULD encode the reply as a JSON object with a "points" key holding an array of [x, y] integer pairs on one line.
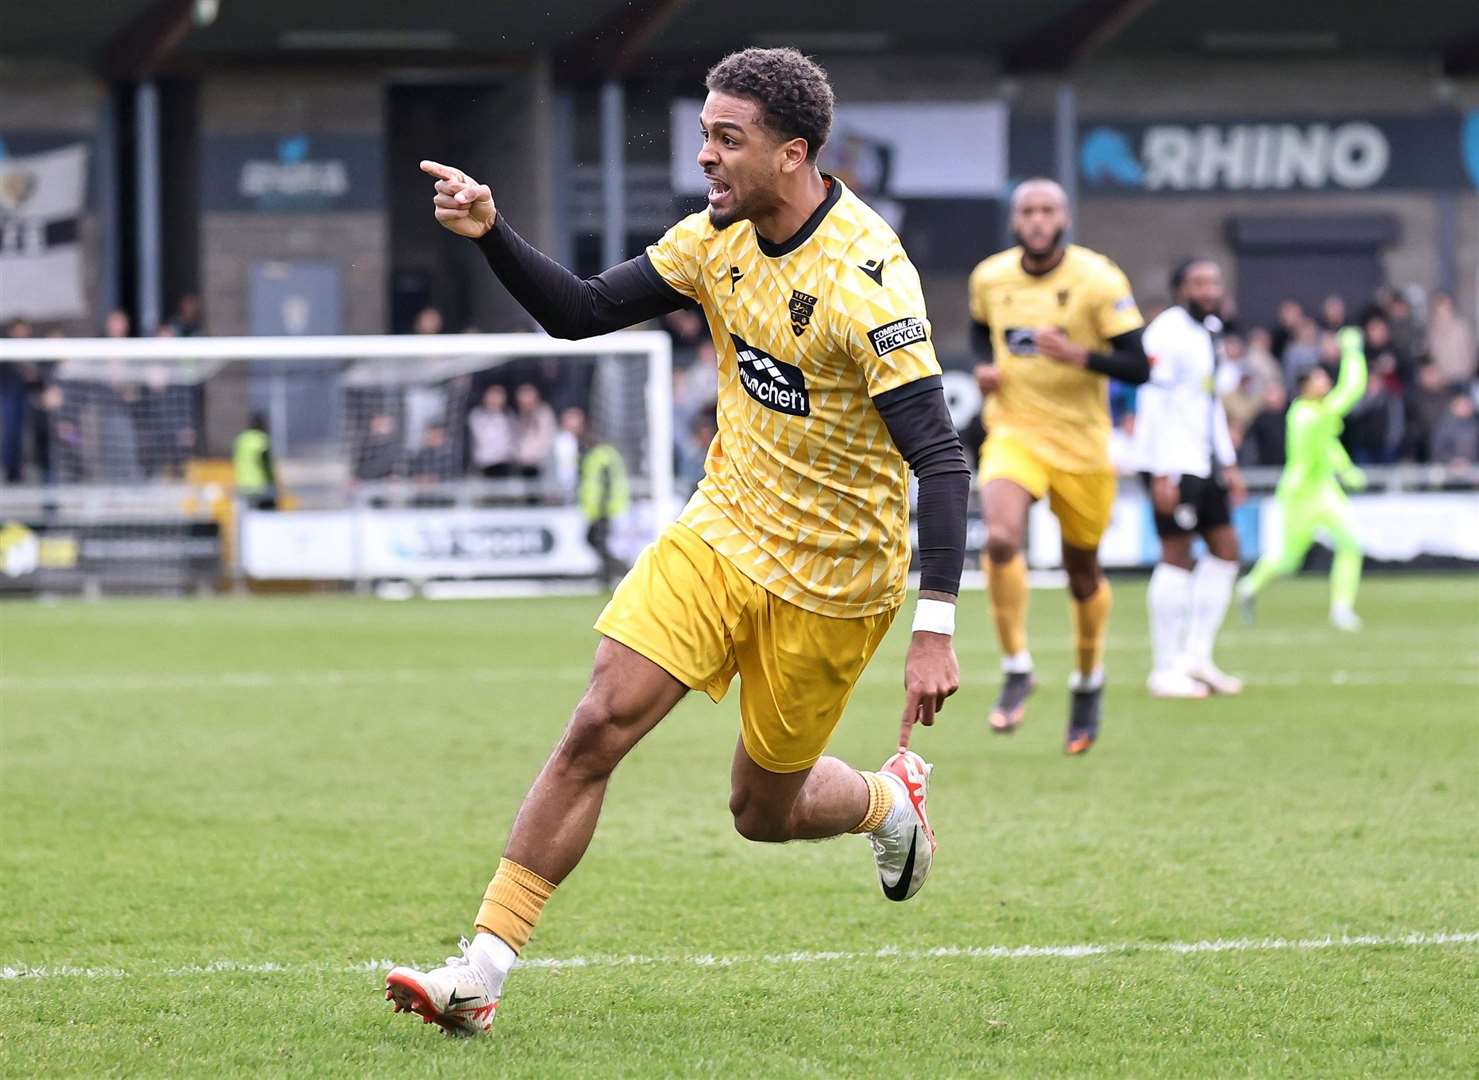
{"points": [[414, 458]]}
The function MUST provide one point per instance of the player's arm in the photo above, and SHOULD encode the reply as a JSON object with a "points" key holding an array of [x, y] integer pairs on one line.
{"points": [[1225, 454], [918, 420], [1150, 409], [988, 375], [1352, 476], [565, 305], [1350, 384], [570, 307], [888, 337], [1126, 360]]}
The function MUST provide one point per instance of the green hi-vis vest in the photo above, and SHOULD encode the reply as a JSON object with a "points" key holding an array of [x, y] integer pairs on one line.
{"points": [[247, 459], [604, 493]]}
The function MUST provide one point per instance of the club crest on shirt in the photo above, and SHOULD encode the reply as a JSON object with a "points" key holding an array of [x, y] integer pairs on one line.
{"points": [[1062, 297], [802, 308]]}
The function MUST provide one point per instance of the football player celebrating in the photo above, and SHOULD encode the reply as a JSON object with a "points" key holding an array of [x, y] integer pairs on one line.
{"points": [[1311, 493], [790, 561]]}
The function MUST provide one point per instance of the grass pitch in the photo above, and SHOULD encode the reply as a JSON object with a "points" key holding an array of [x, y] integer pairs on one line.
{"points": [[219, 818]]}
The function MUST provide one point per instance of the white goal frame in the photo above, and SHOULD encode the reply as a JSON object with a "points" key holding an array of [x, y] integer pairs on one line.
{"points": [[655, 345]]}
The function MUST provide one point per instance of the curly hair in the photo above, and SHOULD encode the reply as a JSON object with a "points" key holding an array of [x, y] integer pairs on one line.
{"points": [[792, 91]]}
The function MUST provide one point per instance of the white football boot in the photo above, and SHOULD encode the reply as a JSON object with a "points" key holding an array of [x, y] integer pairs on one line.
{"points": [[1175, 683], [1214, 678], [1345, 618], [456, 997], [904, 845]]}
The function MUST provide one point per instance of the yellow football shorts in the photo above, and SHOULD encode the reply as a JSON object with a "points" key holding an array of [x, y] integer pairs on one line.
{"points": [[1082, 502], [693, 613]]}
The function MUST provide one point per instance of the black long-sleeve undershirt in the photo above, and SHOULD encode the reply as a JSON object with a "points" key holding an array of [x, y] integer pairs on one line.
{"points": [[1126, 362], [915, 414], [570, 307], [918, 420]]}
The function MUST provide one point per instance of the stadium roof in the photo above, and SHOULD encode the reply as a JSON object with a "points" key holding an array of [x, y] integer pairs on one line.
{"points": [[591, 38]]}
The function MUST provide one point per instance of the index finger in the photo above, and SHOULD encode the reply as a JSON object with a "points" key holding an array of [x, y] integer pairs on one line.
{"points": [[906, 726], [446, 172]]}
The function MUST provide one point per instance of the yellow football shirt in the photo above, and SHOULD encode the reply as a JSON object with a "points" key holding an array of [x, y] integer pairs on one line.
{"points": [[1058, 411], [803, 488]]}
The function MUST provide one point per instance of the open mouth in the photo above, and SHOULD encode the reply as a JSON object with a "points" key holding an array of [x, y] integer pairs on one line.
{"points": [[719, 191]]}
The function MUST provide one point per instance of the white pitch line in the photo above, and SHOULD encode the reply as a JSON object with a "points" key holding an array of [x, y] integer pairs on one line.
{"points": [[709, 960]]}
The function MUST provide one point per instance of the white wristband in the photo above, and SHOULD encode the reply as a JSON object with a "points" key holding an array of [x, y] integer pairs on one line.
{"points": [[935, 616]]}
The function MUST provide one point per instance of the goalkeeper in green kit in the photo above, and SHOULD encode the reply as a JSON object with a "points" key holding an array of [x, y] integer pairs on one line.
{"points": [[1311, 493]]}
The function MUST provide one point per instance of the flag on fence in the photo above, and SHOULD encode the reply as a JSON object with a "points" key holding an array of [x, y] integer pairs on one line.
{"points": [[41, 196]]}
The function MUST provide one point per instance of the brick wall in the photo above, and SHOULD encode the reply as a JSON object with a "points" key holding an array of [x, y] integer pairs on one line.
{"points": [[281, 103]]}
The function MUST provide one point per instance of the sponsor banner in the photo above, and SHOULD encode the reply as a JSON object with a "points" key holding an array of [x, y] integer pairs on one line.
{"points": [[1393, 528], [41, 203], [1400, 528], [1436, 150], [292, 174], [348, 545], [61, 557]]}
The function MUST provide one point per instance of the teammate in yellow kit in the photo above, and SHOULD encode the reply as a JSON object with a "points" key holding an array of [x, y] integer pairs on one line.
{"points": [[1052, 323], [790, 561]]}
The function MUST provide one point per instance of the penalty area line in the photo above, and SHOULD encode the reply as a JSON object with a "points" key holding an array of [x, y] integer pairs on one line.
{"points": [[710, 960]]}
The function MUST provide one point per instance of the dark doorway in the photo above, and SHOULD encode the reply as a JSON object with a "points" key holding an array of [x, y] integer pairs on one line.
{"points": [[430, 266], [1308, 259]]}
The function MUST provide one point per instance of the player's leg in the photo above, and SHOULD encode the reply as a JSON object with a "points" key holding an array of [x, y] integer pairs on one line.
{"points": [[664, 632], [828, 799], [1336, 518], [797, 671], [1168, 602], [1211, 589], [1012, 479], [1090, 601], [1285, 555], [1083, 504], [628, 694], [831, 799]]}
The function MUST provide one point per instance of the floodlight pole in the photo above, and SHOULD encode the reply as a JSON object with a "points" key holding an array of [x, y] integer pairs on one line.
{"points": [[1065, 139], [613, 172], [147, 211]]}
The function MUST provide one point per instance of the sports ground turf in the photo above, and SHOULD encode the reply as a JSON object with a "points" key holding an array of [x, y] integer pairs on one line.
{"points": [[219, 818]]}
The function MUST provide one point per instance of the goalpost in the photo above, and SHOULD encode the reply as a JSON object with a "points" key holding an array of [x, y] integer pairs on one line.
{"points": [[412, 458]]}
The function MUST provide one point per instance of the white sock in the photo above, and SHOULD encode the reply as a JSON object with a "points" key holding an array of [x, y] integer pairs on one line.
{"points": [[1017, 664], [901, 807], [1211, 592], [1169, 599], [1094, 680], [492, 957]]}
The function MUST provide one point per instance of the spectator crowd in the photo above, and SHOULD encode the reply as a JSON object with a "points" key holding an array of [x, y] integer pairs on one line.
{"points": [[1419, 405], [526, 420]]}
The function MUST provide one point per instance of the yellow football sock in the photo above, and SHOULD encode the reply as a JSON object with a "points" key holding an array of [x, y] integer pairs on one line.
{"points": [[1090, 624], [512, 904], [880, 802], [1008, 599]]}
